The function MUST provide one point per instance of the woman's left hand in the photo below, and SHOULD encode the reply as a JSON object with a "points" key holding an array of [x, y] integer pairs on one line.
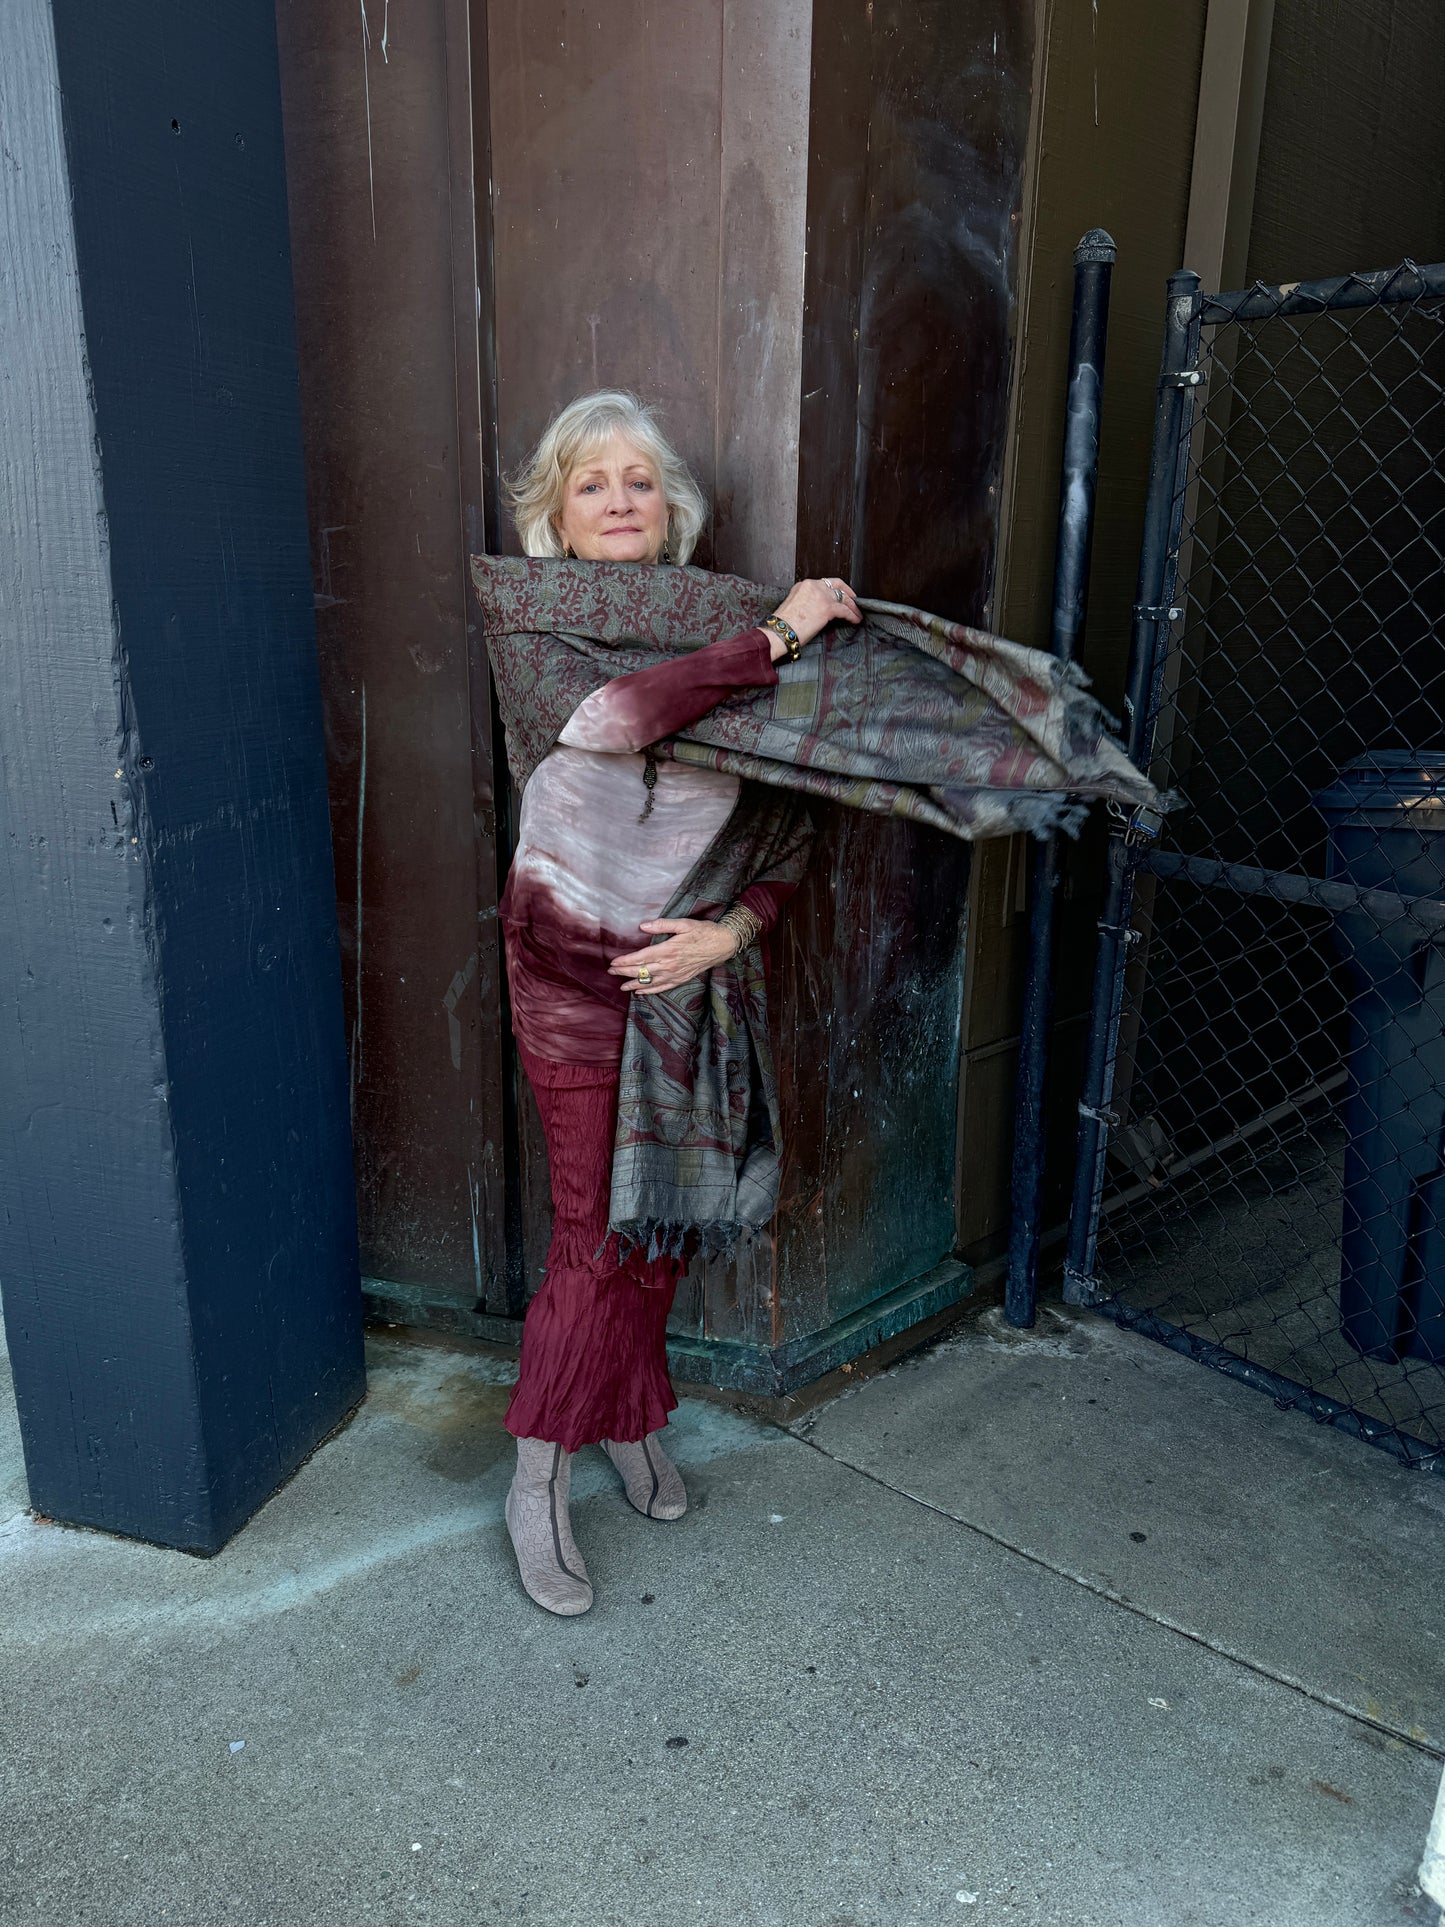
{"points": [[693, 946]]}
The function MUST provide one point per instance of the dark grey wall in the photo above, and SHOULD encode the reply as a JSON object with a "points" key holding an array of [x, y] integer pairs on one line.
{"points": [[177, 1237], [1352, 151]]}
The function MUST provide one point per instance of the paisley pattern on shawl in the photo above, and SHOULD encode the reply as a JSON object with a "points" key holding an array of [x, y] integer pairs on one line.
{"points": [[907, 715]]}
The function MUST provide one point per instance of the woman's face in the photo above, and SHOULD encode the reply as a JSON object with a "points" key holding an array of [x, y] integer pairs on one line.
{"points": [[612, 508]]}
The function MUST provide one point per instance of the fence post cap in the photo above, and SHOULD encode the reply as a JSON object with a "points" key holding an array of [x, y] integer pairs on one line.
{"points": [[1096, 245]]}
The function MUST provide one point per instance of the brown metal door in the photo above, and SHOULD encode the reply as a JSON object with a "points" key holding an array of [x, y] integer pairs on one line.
{"points": [[379, 163], [766, 238]]}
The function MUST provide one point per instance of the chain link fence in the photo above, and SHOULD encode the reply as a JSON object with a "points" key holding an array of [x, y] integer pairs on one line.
{"points": [[1262, 1171]]}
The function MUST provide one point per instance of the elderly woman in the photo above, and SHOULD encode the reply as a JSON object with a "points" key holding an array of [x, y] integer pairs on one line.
{"points": [[664, 746], [608, 833]]}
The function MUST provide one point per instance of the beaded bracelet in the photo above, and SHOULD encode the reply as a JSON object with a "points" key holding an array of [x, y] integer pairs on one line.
{"points": [[746, 925], [789, 634]]}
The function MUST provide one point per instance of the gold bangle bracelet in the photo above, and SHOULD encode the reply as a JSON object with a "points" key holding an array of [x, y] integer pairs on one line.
{"points": [[745, 925]]}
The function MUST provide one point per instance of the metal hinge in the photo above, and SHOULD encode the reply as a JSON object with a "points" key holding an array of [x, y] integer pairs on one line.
{"points": [[1184, 378], [1082, 1288], [1158, 611]]}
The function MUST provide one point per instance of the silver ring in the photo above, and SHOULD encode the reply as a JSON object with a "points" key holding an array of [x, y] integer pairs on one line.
{"points": [[838, 593]]}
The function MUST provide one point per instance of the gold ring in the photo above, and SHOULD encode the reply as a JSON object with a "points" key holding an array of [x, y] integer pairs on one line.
{"points": [[644, 975]]}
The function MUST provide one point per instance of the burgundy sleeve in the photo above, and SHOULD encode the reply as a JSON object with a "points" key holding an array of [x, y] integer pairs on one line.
{"points": [[766, 895], [766, 900], [651, 704]]}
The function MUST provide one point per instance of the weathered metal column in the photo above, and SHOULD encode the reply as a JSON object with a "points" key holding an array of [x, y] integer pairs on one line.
{"points": [[1078, 484], [177, 1232], [1153, 614]]}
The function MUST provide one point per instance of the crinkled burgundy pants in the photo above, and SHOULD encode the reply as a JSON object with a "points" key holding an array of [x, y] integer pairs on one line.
{"points": [[594, 1359]]}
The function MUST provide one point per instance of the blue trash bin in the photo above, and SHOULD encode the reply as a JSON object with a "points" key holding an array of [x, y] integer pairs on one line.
{"points": [[1386, 815]]}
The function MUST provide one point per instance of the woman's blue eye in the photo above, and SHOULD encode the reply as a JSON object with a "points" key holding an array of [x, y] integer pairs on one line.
{"points": [[642, 484]]}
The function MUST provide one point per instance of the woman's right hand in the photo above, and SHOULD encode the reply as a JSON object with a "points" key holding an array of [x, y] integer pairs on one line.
{"points": [[810, 606]]}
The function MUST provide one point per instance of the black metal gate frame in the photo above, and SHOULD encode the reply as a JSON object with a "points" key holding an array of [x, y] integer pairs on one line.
{"points": [[1132, 843]]}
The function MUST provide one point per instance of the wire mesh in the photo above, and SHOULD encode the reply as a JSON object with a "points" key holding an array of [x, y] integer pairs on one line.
{"points": [[1274, 1195]]}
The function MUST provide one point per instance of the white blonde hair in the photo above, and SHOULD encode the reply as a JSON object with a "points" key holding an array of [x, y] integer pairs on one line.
{"points": [[537, 491]]}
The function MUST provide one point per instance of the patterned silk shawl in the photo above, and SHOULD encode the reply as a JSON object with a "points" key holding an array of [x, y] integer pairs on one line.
{"points": [[907, 715]]}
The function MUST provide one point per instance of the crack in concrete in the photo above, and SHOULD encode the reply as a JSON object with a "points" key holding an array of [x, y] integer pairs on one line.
{"points": [[1082, 1580]]}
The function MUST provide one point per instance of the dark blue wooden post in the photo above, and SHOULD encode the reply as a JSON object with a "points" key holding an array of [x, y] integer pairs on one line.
{"points": [[177, 1234]]}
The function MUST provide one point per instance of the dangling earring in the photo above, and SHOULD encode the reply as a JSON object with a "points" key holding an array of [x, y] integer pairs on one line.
{"points": [[566, 550], [666, 555]]}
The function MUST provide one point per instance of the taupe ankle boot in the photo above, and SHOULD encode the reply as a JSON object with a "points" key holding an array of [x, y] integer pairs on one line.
{"points": [[547, 1556], [654, 1484]]}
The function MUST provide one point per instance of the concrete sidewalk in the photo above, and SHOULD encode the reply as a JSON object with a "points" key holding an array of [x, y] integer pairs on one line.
{"points": [[1044, 1628]]}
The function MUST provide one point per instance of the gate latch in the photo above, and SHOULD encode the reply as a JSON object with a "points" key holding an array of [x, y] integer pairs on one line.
{"points": [[1144, 826], [1184, 378]]}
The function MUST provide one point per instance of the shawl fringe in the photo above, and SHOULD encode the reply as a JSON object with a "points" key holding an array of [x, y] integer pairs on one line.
{"points": [[654, 1238]]}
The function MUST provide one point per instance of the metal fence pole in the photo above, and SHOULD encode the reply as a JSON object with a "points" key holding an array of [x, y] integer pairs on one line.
{"points": [[1164, 507], [1093, 270]]}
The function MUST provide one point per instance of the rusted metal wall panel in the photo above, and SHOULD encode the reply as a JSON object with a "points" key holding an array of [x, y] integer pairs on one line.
{"points": [[648, 234], [378, 140], [918, 127], [920, 116], [871, 988], [766, 48]]}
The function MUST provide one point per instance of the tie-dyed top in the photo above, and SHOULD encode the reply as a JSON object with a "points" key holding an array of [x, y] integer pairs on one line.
{"points": [[590, 869]]}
